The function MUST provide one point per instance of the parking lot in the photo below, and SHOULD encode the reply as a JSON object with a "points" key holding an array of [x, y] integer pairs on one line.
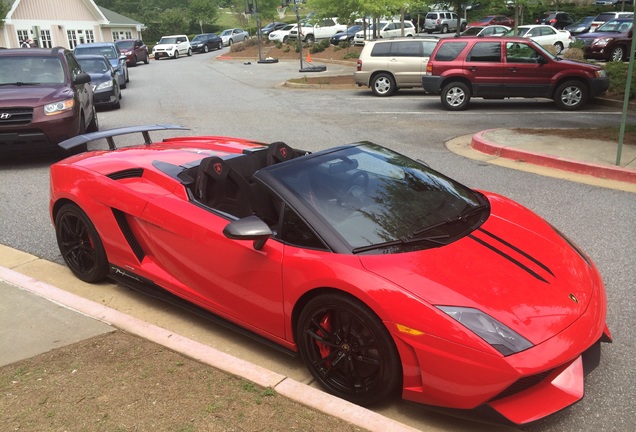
{"points": [[218, 97]]}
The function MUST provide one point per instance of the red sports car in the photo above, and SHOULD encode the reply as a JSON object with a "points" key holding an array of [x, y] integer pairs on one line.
{"points": [[381, 273], [493, 20]]}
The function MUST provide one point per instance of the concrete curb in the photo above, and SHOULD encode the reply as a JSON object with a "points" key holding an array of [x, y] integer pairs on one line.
{"points": [[283, 385], [481, 144]]}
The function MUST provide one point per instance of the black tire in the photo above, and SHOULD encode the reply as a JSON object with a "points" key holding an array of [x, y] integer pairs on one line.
{"points": [[176, 54], [230, 42], [558, 46], [93, 126], [617, 54], [285, 38], [157, 57], [383, 84], [80, 244], [429, 31], [189, 52], [146, 59], [134, 63], [220, 45], [462, 27], [444, 29], [310, 39], [570, 96], [205, 48], [348, 350], [455, 96]]}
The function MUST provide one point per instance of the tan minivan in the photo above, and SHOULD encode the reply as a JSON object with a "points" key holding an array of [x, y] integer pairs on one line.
{"points": [[387, 65]]}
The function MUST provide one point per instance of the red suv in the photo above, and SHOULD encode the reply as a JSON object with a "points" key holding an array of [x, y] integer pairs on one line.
{"points": [[45, 98], [497, 68]]}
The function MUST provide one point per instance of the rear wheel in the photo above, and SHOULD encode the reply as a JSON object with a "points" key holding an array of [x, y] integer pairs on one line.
{"points": [[455, 96], [176, 54], [444, 28], [383, 84], [80, 244], [347, 349], [310, 39], [205, 48], [220, 45], [570, 95], [146, 59], [558, 46], [189, 52], [93, 126]]}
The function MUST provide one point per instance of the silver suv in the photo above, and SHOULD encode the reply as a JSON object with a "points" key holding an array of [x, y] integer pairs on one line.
{"points": [[388, 65], [443, 22]]}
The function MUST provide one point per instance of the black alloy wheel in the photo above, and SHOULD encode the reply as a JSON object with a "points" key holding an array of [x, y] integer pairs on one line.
{"points": [[348, 350], [80, 244]]}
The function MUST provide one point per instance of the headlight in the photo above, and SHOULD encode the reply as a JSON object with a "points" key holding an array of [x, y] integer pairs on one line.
{"points": [[500, 337], [59, 107], [107, 85], [601, 73], [602, 42]]}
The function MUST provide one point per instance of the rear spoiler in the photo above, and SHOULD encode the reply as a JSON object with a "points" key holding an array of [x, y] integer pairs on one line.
{"points": [[109, 134]]}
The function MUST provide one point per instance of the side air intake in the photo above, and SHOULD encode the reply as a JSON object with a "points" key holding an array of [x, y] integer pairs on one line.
{"points": [[124, 226]]}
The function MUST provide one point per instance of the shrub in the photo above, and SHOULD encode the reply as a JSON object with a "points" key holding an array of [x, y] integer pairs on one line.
{"points": [[573, 54], [617, 72]]}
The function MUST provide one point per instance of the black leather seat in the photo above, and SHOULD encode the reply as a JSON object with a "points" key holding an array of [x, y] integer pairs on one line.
{"points": [[222, 188]]}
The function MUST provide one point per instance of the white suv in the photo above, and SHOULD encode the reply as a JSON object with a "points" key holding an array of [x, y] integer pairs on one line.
{"points": [[386, 65], [443, 22], [172, 46]]}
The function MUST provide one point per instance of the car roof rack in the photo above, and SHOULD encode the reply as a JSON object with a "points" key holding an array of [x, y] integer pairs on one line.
{"points": [[109, 134]]}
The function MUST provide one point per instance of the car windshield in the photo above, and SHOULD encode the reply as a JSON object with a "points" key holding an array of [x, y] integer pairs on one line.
{"points": [[472, 31], [125, 45], [521, 31], [227, 32], [106, 51], [378, 200], [31, 70], [168, 40], [615, 26], [199, 38], [94, 66]]}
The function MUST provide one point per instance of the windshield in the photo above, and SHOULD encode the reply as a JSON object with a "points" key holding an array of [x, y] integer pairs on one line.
{"points": [[94, 66], [615, 26], [125, 45], [199, 38], [226, 32], [472, 31], [378, 200], [31, 70], [107, 51], [168, 40]]}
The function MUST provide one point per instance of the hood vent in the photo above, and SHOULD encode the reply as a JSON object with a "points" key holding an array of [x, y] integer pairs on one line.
{"points": [[129, 173]]}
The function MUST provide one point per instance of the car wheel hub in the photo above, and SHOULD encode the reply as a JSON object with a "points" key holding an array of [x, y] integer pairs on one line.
{"points": [[455, 97], [571, 96]]}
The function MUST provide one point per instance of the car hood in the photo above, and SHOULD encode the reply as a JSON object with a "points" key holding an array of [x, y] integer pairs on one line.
{"points": [[596, 35], [525, 275], [166, 46], [33, 95]]}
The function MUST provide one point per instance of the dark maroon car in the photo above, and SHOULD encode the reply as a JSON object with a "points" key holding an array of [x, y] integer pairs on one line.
{"points": [[135, 51], [611, 41]]}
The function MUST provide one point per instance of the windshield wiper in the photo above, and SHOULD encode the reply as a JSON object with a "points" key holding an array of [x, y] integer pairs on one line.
{"points": [[415, 237], [20, 83]]}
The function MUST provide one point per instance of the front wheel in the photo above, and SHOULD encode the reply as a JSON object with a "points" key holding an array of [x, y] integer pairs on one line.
{"points": [[348, 350], [570, 95], [93, 126], [205, 49], [220, 45], [189, 52], [558, 46], [310, 39], [455, 96], [617, 54], [383, 84], [176, 54], [80, 244]]}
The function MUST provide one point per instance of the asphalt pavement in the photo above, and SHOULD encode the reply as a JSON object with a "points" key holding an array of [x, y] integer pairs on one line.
{"points": [[36, 316]]}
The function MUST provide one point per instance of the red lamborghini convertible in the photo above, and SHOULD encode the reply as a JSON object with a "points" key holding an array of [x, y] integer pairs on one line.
{"points": [[382, 274]]}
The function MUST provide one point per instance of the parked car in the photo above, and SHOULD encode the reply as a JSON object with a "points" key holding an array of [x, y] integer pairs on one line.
{"points": [[493, 20], [603, 17], [558, 20], [491, 30], [497, 68], [381, 273], [388, 65], [172, 47], [265, 31], [45, 98], [582, 25], [371, 33], [233, 35], [106, 91], [281, 35], [205, 42], [112, 53], [613, 2], [345, 36], [544, 35], [311, 30], [612, 41], [135, 51], [443, 22]]}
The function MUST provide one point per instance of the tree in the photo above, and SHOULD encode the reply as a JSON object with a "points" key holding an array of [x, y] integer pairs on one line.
{"points": [[203, 11]]}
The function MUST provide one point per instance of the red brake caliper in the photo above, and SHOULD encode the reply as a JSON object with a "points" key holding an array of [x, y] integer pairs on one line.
{"points": [[325, 350]]}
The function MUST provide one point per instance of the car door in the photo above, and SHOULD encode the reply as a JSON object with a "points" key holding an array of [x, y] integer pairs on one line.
{"points": [[408, 59], [229, 277], [527, 73], [483, 61], [83, 92]]}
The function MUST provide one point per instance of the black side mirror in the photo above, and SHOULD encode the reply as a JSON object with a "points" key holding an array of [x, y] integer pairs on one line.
{"points": [[249, 228]]}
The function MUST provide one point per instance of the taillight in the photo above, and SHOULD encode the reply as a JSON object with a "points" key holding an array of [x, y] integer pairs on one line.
{"points": [[429, 68], [359, 65], [553, 21], [439, 21]]}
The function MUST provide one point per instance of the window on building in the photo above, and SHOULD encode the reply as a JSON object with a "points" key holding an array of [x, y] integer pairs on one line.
{"points": [[23, 35], [71, 35], [45, 39], [90, 36]]}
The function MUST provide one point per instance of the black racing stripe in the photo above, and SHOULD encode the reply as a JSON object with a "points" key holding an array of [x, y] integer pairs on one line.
{"points": [[516, 249], [508, 257]]}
